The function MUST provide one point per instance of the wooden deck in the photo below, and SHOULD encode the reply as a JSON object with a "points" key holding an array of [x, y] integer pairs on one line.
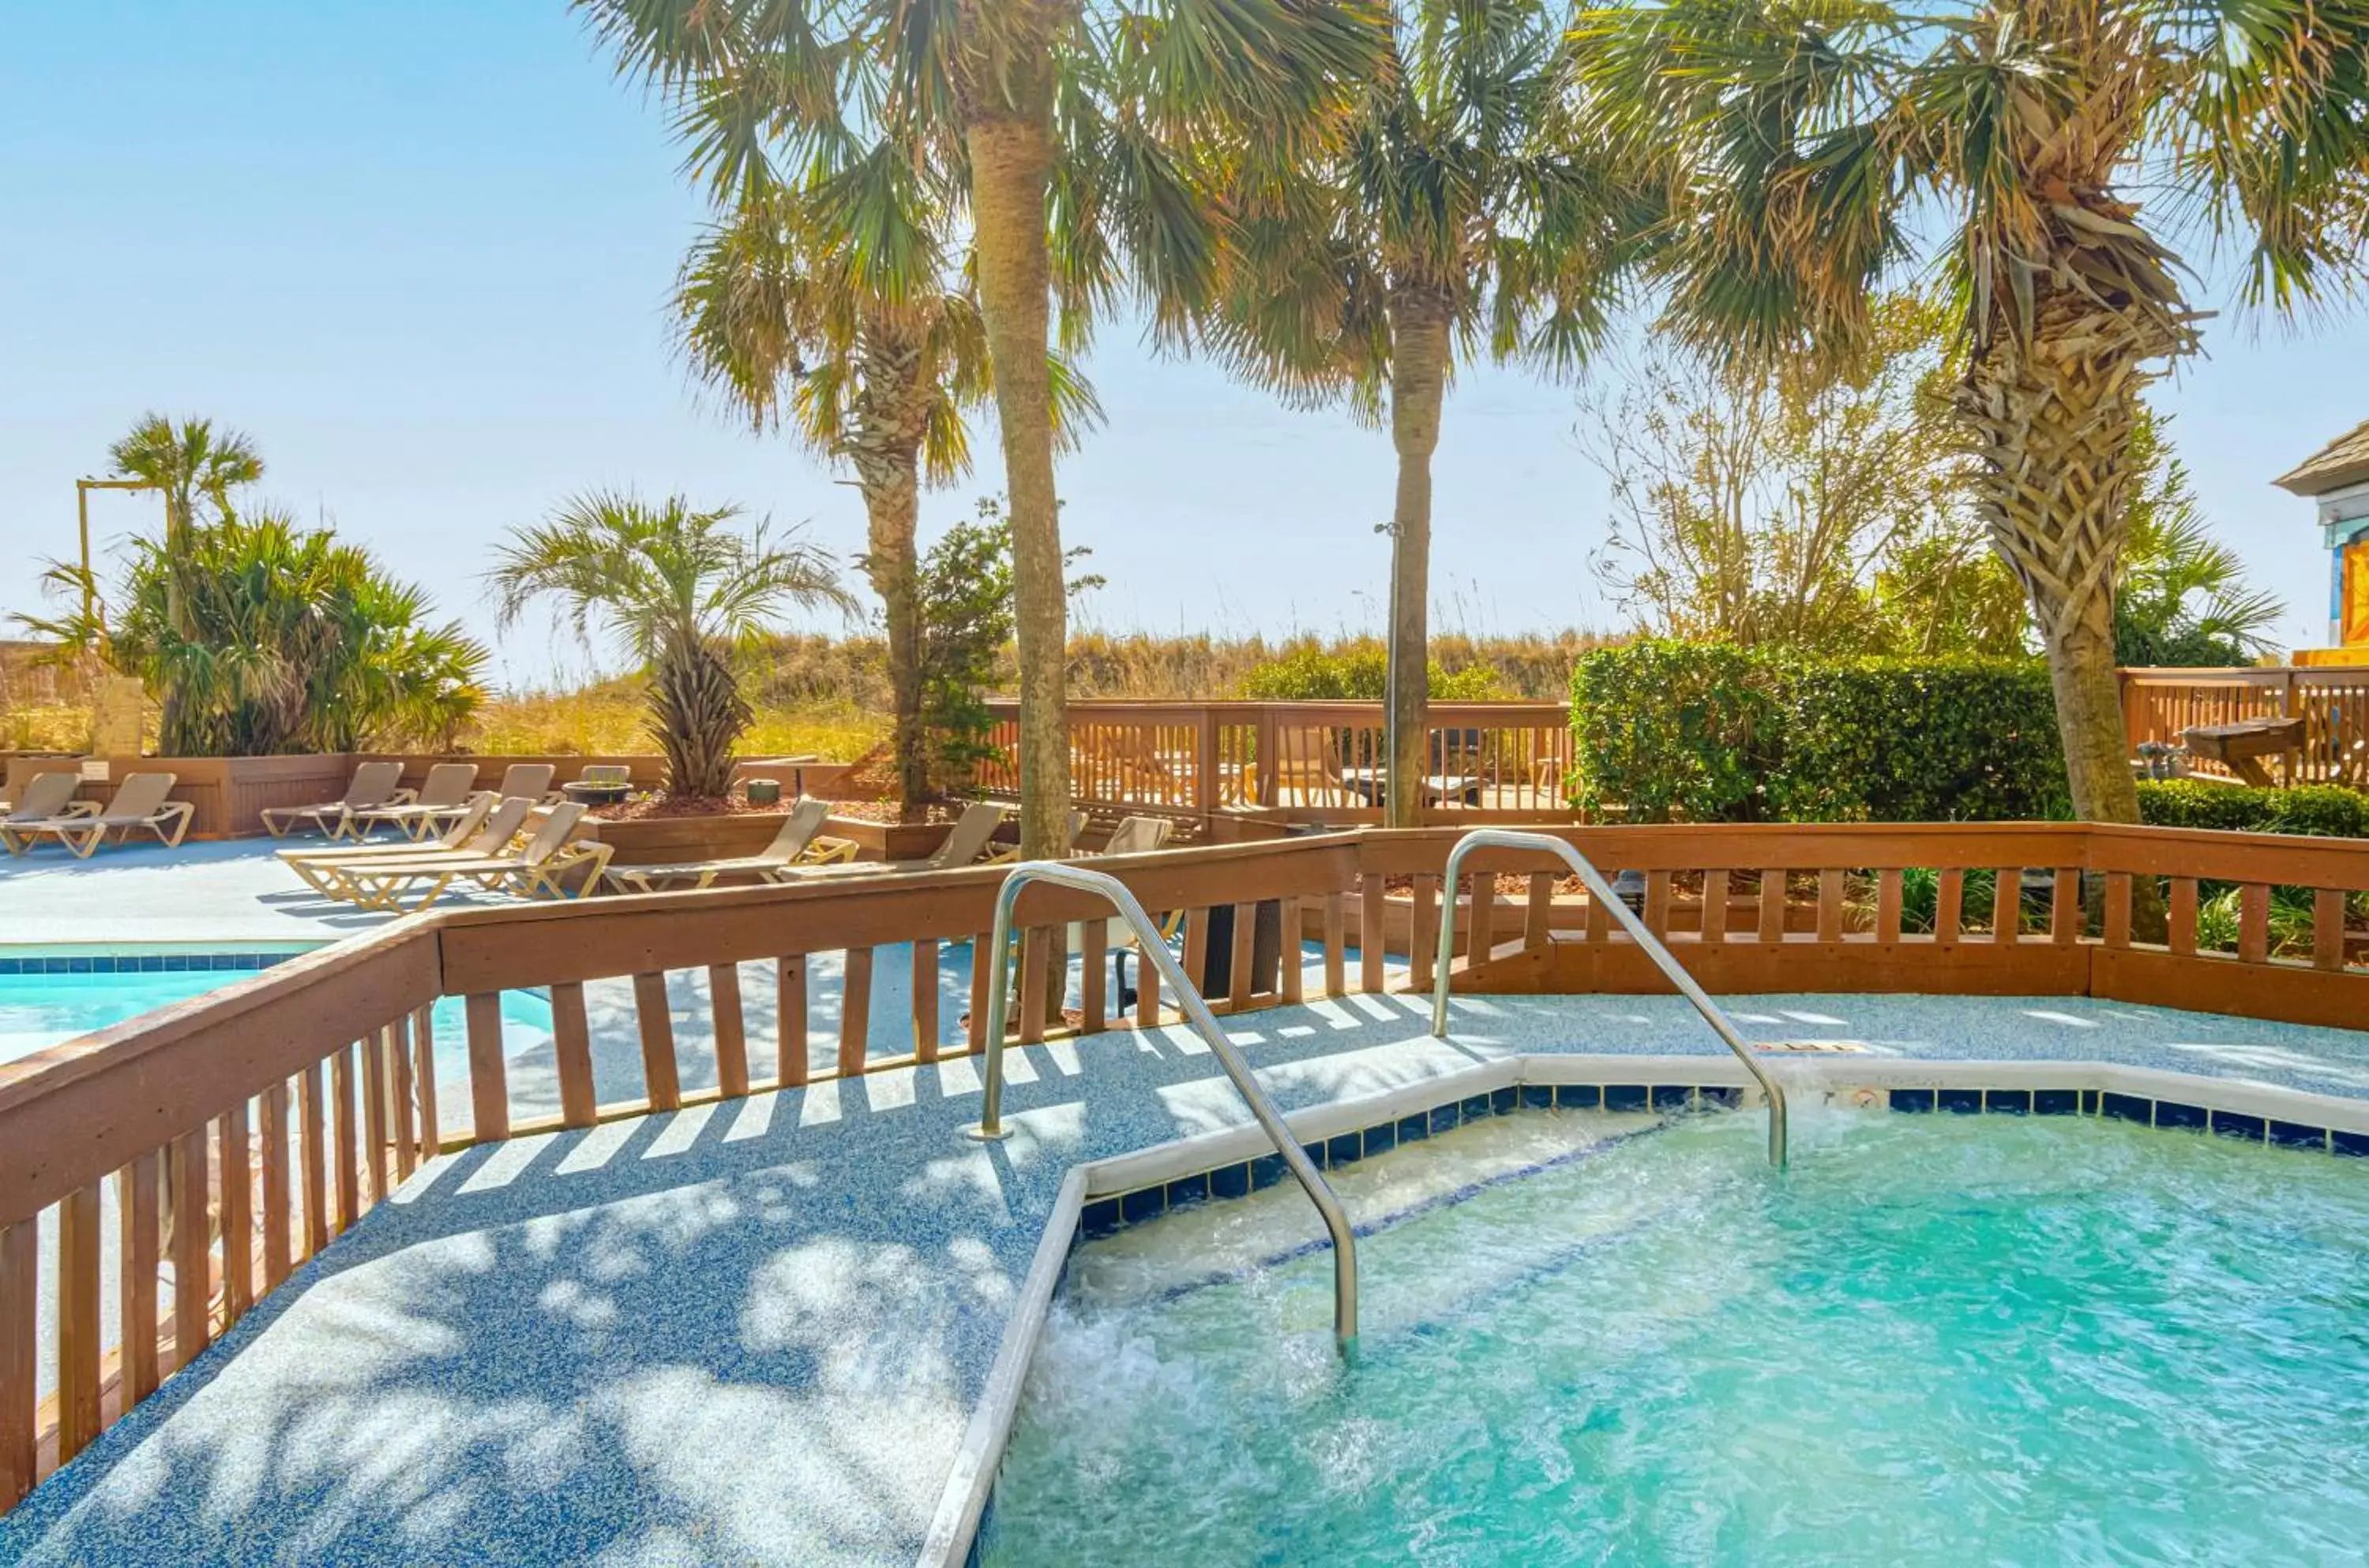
{"points": [[243, 1134]]}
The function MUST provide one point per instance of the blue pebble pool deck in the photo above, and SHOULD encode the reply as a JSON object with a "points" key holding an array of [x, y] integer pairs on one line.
{"points": [[759, 1332]]}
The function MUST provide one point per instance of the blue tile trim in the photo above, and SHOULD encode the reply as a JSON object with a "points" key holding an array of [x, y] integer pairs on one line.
{"points": [[139, 963], [1103, 1216]]}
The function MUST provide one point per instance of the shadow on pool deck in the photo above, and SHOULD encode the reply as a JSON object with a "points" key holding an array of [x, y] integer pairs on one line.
{"points": [[755, 1331]]}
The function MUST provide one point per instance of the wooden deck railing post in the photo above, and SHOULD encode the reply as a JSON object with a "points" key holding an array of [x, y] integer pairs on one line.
{"points": [[1270, 745], [1206, 798]]}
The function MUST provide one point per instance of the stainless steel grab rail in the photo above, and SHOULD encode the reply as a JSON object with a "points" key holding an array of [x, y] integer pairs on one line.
{"points": [[1205, 1024], [1664, 960]]}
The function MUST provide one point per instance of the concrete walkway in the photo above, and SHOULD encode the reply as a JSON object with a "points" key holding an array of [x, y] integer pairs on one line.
{"points": [[213, 895], [756, 1332]]}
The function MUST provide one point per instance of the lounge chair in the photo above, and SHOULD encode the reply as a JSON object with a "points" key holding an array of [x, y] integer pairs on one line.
{"points": [[372, 785], [486, 825], [443, 796], [1011, 853], [140, 802], [45, 797], [1134, 835], [528, 780], [973, 831], [795, 838], [531, 871], [1138, 835]]}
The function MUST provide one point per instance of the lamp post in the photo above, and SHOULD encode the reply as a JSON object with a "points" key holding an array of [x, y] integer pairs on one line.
{"points": [[82, 487]]}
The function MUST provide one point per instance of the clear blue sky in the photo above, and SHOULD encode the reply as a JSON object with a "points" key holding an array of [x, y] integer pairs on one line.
{"points": [[420, 253]]}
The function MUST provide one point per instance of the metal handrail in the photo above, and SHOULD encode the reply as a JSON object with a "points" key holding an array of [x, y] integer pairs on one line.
{"points": [[1664, 960], [1205, 1024]]}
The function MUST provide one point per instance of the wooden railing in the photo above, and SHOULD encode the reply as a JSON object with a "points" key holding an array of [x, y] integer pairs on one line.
{"points": [[1299, 759], [2159, 704], [239, 1133]]}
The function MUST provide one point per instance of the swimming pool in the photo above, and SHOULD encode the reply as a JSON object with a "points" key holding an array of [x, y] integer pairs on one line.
{"points": [[1592, 1337], [41, 1005]]}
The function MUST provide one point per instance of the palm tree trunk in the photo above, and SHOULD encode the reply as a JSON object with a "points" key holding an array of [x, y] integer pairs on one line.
{"points": [[1418, 388], [696, 715], [884, 449], [2054, 423], [894, 568], [1011, 157]]}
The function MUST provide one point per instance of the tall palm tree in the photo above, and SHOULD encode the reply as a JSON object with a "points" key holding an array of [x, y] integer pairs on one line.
{"points": [[195, 467], [836, 311], [996, 97], [1812, 148], [1460, 214], [682, 590]]}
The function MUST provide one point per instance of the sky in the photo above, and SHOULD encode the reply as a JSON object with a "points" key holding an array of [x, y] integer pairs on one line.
{"points": [[421, 254]]}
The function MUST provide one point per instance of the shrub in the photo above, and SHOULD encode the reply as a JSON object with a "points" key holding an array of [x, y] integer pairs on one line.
{"points": [[2322, 810], [1357, 672], [1919, 740], [1711, 732], [1673, 731]]}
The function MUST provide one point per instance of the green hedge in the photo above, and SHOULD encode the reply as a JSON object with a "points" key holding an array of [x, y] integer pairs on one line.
{"points": [[2324, 810], [1712, 732]]}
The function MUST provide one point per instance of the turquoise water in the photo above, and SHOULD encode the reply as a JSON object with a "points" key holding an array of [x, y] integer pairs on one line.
{"points": [[39, 1011], [1935, 1341]]}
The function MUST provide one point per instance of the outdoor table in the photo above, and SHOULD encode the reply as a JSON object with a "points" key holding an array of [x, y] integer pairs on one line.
{"points": [[2241, 747]]}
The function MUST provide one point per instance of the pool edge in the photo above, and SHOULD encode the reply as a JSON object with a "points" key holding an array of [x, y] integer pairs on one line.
{"points": [[962, 1507]]}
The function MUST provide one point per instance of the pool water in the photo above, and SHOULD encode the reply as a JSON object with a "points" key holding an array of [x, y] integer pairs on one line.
{"points": [[1934, 1340], [39, 1011]]}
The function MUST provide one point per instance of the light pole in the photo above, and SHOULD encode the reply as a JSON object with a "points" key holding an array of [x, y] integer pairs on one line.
{"points": [[82, 487]]}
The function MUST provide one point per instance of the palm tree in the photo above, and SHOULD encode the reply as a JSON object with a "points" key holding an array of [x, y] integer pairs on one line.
{"points": [[861, 339], [1460, 214], [1005, 103], [682, 590], [278, 638], [1811, 148], [194, 467]]}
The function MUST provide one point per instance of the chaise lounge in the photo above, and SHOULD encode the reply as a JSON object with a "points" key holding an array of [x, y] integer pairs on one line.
{"points": [[790, 847], [140, 801], [374, 784]]}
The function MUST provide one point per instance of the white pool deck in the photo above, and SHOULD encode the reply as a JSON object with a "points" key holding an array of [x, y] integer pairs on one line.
{"points": [[757, 1333], [200, 894]]}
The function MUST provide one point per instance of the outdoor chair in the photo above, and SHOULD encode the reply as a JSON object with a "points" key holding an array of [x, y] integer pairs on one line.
{"points": [[538, 869], [140, 801], [1007, 856], [47, 795], [971, 835], [486, 824], [790, 846], [374, 784], [528, 780], [442, 796]]}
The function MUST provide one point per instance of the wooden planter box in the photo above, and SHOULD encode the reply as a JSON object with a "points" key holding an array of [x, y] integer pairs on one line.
{"points": [[660, 841], [888, 840]]}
